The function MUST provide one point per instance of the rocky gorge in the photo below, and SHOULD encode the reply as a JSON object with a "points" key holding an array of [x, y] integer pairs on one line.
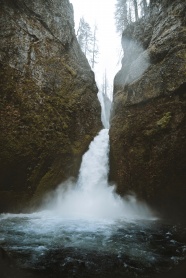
{"points": [[49, 114], [148, 123], [49, 111]]}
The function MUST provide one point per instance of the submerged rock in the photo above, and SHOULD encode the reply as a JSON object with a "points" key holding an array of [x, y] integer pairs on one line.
{"points": [[148, 126], [48, 103]]}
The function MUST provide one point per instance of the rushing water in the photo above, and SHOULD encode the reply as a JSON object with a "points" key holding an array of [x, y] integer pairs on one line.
{"points": [[92, 196], [74, 247], [85, 229]]}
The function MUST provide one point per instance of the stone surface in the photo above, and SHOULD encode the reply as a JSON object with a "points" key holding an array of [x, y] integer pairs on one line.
{"points": [[148, 126], [48, 99]]}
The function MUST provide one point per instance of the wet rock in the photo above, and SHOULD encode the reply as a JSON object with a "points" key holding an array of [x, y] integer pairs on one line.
{"points": [[8, 268], [148, 125], [49, 108]]}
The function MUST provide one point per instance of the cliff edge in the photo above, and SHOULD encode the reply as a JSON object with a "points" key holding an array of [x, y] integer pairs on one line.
{"points": [[148, 125], [48, 103]]}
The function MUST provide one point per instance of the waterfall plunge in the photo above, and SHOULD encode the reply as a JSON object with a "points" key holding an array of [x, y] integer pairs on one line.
{"points": [[92, 196]]}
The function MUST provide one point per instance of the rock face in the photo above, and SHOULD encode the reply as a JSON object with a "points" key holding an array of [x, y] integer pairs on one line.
{"points": [[148, 126], [48, 104]]}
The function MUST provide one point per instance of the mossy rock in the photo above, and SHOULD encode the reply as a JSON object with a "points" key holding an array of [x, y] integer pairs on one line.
{"points": [[164, 121]]}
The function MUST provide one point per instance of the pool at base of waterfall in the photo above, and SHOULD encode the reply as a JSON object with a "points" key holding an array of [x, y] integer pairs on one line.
{"points": [[51, 246]]}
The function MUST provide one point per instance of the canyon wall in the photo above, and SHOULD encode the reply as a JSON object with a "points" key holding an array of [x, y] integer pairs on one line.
{"points": [[148, 123], [49, 111]]}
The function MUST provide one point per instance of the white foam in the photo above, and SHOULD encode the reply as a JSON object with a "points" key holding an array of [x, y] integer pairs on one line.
{"points": [[92, 196]]}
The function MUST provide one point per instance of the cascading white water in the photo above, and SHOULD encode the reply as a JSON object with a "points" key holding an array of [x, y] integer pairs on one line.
{"points": [[92, 196], [86, 228], [104, 118]]}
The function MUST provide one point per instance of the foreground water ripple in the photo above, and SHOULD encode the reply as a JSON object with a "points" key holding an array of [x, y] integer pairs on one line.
{"points": [[102, 247]]}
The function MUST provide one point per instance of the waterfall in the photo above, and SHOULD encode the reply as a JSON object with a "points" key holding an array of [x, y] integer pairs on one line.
{"points": [[105, 109], [85, 227], [92, 196]]}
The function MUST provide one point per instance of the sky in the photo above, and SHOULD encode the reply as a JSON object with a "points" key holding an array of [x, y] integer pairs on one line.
{"points": [[101, 13]]}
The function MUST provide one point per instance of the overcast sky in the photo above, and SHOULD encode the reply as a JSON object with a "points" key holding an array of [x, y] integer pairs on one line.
{"points": [[101, 13]]}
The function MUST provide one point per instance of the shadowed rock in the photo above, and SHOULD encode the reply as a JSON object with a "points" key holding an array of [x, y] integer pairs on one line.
{"points": [[148, 125], [49, 108]]}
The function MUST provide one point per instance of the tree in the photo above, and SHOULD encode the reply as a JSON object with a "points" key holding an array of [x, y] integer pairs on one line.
{"points": [[88, 41], [121, 15], [84, 36], [105, 84], [94, 48], [127, 11], [135, 3], [144, 7]]}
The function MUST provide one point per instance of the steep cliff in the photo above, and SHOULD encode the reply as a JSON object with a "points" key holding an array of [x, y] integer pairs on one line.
{"points": [[148, 126], [48, 99]]}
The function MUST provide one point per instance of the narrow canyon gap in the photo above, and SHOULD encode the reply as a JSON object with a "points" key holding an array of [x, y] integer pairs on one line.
{"points": [[53, 135]]}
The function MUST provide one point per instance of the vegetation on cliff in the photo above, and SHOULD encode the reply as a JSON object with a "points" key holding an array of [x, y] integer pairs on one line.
{"points": [[148, 126], [49, 107]]}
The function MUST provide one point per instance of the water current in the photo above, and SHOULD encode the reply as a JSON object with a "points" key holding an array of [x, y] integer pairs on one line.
{"points": [[71, 247], [84, 229]]}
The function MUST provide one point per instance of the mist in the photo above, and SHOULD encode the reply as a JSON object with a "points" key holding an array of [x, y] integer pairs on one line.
{"points": [[91, 196]]}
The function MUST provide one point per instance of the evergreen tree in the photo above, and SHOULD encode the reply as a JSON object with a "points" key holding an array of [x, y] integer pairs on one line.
{"points": [[135, 3], [94, 48], [105, 84], [121, 15], [128, 11], [144, 7], [88, 41], [84, 36]]}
